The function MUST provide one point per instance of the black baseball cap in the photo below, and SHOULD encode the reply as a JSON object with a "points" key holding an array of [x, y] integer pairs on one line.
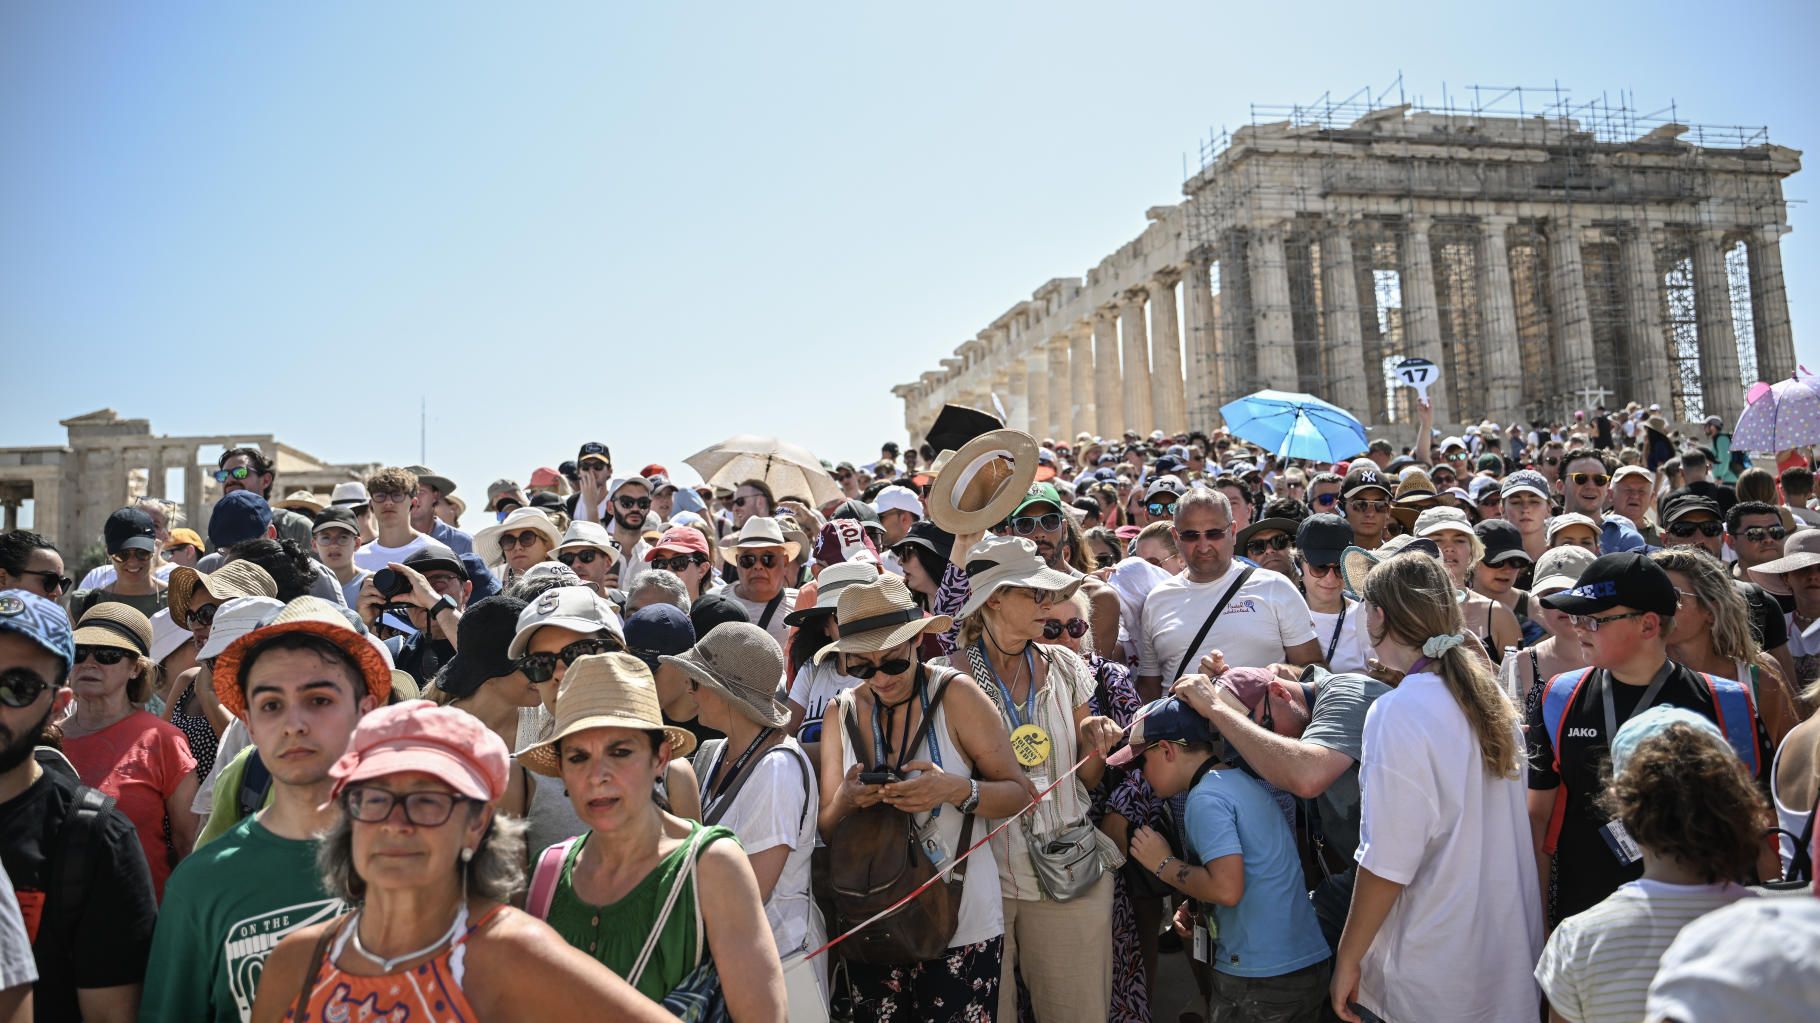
{"points": [[1629, 579], [130, 529], [436, 557], [482, 637], [934, 538], [1682, 505], [568, 469], [658, 629], [1364, 476], [715, 609], [594, 449], [334, 517], [1322, 538], [1503, 542]]}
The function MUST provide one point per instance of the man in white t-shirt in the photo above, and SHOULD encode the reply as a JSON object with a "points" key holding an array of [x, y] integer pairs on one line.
{"points": [[390, 491], [1265, 622]]}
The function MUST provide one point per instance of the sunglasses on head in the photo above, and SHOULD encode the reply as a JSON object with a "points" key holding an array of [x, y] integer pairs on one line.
{"points": [[239, 472], [633, 502], [1758, 534], [1074, 627], [507, 541], [863, 670], [586, 556], [1687, 529], [1280, 542], [1024, 525], [1197, 535], [541, 667], [768, 559], [679, 563], [21, 687], [1580, 479], [104, 655]]}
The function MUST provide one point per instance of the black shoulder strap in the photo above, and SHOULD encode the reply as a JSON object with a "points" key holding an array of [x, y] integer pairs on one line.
{"points": [[79, 841], [1207, 626], [1801, 866], [764, 620], [255, 782], [726, 800], [943, 676], [850, 717]]}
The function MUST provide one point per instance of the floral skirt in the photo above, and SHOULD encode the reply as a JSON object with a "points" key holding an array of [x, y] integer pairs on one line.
{"points": [[961, 986]]}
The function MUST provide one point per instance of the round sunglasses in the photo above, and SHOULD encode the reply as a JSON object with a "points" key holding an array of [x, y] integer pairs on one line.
{"points": [[1074, 627]]}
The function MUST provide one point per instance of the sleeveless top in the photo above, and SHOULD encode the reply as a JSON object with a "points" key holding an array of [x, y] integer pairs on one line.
{"points": [[614, 934], [1790, 819], [429, 992], [196, 728]]}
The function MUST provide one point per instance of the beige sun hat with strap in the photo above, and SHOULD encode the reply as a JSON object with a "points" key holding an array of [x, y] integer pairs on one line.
{"points": [[612, 690], [879, 616], [741, 662], [1000, 561]]}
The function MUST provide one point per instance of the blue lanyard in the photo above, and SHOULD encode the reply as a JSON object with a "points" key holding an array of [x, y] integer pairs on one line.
{"points": [[1029, 715], [878, 732]]}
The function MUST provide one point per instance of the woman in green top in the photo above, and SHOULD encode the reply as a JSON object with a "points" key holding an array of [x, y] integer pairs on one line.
{"points": [[605, 892]]}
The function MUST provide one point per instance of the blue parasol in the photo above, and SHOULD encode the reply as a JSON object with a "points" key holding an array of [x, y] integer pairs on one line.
{"points": [[1296, 426]]}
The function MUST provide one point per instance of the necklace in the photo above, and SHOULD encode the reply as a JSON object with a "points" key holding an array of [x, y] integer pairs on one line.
{"points": [[388, 965]]}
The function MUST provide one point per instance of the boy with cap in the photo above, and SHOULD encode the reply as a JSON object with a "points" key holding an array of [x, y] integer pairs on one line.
{"points": [[90, 932], [300, 683], [1526, 506], [1365, 501], [1268, 957], [335, 536], [1622, 609]]}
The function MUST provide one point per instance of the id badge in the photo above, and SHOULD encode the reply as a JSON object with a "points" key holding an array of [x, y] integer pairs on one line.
{"points": [[1620, 843], [929, 840], [1201, 941], [1041, 780]]}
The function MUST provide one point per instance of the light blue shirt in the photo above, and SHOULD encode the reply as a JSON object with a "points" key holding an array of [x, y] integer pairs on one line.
{"points": [[452, 538], [1272, 931]]}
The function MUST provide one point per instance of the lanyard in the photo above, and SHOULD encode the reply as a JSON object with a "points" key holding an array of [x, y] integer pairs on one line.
{"points": [[1339, 623], [711, 793], [1611, 711], [880, 734], [1029, 715]]}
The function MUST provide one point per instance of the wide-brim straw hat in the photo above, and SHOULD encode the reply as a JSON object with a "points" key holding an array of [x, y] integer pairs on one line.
{"points": [[112, 624], [983, 481], [879, 616], [234, 579], [1000, 561], [486, 542], [1356, 562], [312, 616], [612, 690], [760, 531], [301, 501], [1801, 550], [1415, 491], [742, 663]]}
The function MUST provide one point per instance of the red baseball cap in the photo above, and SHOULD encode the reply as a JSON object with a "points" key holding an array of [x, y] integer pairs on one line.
{"points": [[678, 540], [417, 735], [654, 470], [544, 476]]}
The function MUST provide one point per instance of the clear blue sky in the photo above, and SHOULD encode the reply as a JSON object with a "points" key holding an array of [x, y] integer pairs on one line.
{"points": [[660, 224]]}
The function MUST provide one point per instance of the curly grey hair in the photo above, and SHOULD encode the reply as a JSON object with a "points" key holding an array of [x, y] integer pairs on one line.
{"points": [[496, 872]]}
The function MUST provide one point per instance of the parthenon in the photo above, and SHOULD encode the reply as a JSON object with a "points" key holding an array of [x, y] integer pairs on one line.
{"points": [[1547, 258]]}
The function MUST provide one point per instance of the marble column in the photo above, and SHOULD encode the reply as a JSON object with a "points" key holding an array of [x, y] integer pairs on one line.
{"points": [[1421, 313], [1036, 392], [1108, 382], [1230, 372], [192, 490], [1721, 387], [1643, 318], [1769, 305], [1135, 338], [1576, 364], [1168, 393], [1274, 329], [154, 472], [1501, 344], [1082, 380], [1345, 341], [1198, 306], [1061, 410]]}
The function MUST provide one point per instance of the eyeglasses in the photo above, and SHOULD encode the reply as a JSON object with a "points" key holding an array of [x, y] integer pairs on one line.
{"points": [[768, 559], [421, 809], [238, 472], [866, 669], [1196, 535], [1158, 509], [1326, 499], [507, 541], [1687, 529], [633, 502], [740, 502], [1075, 627], [21, 687], [541, 667], [1581, 479], [53, 583], [388, 497], [104, 655], [1320, 570], [1447, 480], [1491, 500], [585, 556], [1280, 542], [1024, 525], [1680, 594], [1362, 505], [682, 562], [135, 555], [1036, 595], [1552, 460], [1758, 534], [1589, 623], [1099, 560]]}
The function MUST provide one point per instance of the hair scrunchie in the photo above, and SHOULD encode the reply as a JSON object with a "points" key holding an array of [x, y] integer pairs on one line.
{"points": [[1438, 645]]}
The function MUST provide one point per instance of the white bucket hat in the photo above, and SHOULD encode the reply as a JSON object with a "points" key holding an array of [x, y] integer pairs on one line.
{"points": [[1000, 561]]}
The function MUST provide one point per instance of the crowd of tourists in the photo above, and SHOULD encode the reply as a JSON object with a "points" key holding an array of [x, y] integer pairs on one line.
{"points": [[1504, 726]]}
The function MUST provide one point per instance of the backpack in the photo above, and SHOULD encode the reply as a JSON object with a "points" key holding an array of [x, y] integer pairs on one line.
{"points": [[877, 869], [1733, 712], [79, 842]]}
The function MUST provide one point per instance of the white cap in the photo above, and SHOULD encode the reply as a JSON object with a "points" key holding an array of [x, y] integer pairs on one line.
{"points": [[350, 494], [167, 636], [553, 570], [234, 619], [569, 607], [616, 482], [896, 498], [1756, 959]]}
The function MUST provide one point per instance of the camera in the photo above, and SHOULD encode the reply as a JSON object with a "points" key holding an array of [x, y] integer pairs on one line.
{"points": [[390, 583]]}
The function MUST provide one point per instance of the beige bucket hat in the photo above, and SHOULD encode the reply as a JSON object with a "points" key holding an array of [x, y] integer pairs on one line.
{"points": [[878, 616], [486, 542], [613, 690], [760, 531], [983, 481], [741, 662], [1000, 561]]}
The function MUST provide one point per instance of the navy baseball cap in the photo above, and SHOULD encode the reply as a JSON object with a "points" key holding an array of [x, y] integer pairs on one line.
{"points": [[129, 529], [486, 584], [1165, 720], [42, 621], [658, 629], [241, 515], [433, 557], [1323, 538], [1629, 579]]}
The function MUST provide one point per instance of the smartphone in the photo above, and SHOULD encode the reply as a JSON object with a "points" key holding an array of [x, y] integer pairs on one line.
{"points": [[877, 777]]}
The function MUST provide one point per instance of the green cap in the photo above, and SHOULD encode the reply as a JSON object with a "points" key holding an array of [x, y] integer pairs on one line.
{"points": [[1040, 493]]}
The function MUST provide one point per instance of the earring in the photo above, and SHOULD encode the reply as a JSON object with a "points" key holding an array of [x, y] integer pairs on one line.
{"points": [[467, 855]]}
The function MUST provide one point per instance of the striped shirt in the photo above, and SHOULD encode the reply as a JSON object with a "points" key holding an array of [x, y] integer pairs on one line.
{"points": [[1598, 964]]}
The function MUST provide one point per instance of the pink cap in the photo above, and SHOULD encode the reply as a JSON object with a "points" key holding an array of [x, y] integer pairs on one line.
{"points": [[1248, 684], [1128, 532], [544, 476], [417, 735], [678, 540]]}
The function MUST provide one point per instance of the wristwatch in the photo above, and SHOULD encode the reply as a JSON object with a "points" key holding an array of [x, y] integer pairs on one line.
{"points": [[972, 802], [443, 603]]}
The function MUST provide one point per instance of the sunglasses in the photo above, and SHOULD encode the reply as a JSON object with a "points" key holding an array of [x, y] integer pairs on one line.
{"points": [[1589, 623], [1024, 525], [541, 667], [53, 583], [1254, 548], [104, 655], [237, 473], [1491, 500], [1551, 460], [769, 560], [1457, 456], [866, 669], [1158, 508], [421, 809], [1687, 529], [740, 502], [633, 502], [586, 557], [1758, 534], [507, 541], [1138, 761], [1320, 571], [21, 687], [204, 615], [1362, 505], [1054, 627], [125, 556], [1326, 499], [1445, 480], [1099, 560], [1581, 479], [679, 563], [1196, 535]]}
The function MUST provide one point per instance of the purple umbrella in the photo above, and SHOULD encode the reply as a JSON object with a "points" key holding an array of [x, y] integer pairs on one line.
{"points": [[1780, 416]]}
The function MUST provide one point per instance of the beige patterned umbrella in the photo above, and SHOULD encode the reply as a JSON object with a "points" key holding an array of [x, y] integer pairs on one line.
{"points": [[788, 469]]}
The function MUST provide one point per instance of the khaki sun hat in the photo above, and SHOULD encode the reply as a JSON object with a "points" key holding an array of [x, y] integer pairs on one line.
{"points": [[1559, 568], [301, 501], [612, 690], [761, 531], [112, 624], [879, 616], [828, 586], [312, 616], [1000, 561], [1800, 550], [983, 481], [234, 579], [741, 662], [486, 541]]}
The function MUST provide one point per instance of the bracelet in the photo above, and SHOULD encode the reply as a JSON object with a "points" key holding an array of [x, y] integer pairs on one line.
{"points": [[1161, 864]]}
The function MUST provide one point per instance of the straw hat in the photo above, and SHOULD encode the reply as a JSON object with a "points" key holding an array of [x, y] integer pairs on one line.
{"points": [[316, 617], [983, 481], [1000, 561], [234, 579], [879, 616], [486, 542], [613, 690], [741, 662], [1356, 562], [301, 501], [761, 531], [112, 624], [1800, 550], [1415, 491]]}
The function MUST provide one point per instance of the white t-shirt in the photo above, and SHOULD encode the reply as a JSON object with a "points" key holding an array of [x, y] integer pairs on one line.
{"points": [[1353, 647], [772, 809], [373, 557], [1598, 964], [1258, 625], [102, 576], [778, 630], [18, 967], [1468, 925], [814, 685]]}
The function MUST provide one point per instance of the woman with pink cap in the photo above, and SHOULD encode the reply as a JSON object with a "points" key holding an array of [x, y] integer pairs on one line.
{"points": [[421, 854]]}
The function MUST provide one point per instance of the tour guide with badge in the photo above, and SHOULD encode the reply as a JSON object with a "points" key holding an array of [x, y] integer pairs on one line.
{"points": [[1620, 607]]}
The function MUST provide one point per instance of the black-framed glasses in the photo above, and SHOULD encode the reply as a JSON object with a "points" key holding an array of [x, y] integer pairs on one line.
{"points": [[769, 559], [1099, 560], [388, 497], [103, 655], [1074, 627], [238, 472], [541, 667], [1280, 542], [1581, 479], [586, 556], [641, 503], [1196, 535], [1024, 525], [507, 541], [866, 669], [133, 555], [53, 583], [1158, 509], [1687, 529], [1758, 534], [680, 563], [372, 805], [1592, 623], [21, 687]]}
